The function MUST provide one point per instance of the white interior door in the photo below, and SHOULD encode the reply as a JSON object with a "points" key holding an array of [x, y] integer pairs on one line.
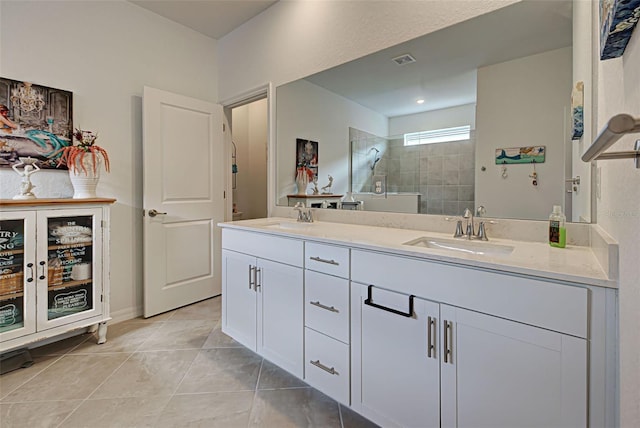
{"points": [[183, 200]]}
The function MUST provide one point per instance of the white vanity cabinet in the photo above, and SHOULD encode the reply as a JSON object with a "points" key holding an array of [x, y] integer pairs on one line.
{"points": [[396, 361], [54, 274], [327, 337], [410, 341], [262, 290], [486, 370]]}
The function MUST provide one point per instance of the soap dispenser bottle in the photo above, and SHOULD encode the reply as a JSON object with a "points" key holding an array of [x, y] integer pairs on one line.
{"points": [[557, 229]]}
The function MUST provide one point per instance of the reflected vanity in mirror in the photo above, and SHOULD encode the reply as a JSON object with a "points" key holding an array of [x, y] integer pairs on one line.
{"points": [[430, 118]]}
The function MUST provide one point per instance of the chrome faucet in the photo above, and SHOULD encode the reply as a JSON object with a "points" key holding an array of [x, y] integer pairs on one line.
{"points": [[468, 215], [304, 213]]}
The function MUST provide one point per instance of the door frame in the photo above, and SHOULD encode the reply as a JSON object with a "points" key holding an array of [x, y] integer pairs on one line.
{"points": [[249, 96]]}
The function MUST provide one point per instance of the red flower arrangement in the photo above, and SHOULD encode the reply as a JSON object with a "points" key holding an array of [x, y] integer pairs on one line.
{"points": [[71, 156]]}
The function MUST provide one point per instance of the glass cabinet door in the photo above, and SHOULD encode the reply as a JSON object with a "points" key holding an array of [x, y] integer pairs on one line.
{"points": [[17, 274], [72, 259]]}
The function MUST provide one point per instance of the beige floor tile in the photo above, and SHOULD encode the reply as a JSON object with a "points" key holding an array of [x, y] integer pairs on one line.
{"points": [[351, 419], [122, 337], [303, 407], [222, 369], [147, 374], [188, 334], [273, 377], [209, 309], [13, 379], [217, 339], [60, 347], [70, 377], [213, 410], [117, 413], [33, 415]]}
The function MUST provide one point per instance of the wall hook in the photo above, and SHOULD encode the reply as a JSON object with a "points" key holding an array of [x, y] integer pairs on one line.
{"points": [[534, 175], [504, 172]]}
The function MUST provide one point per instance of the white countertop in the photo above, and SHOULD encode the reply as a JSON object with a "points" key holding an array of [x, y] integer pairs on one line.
{"points": [[574, 263]]}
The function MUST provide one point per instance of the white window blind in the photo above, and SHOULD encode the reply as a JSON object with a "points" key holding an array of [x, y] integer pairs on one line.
{"points": [[437, 136]]}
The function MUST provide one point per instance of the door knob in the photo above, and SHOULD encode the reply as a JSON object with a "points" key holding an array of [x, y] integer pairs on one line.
{"points": [[153, 213]]}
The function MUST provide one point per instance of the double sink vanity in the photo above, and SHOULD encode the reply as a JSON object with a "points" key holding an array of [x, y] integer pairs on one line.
{"points": [[416, 328]]}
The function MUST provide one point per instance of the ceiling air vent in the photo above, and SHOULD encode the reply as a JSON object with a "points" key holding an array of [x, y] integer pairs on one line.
{"points": [[404, 59]]}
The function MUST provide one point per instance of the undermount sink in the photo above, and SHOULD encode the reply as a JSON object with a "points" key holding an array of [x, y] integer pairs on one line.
{"points": [[289, 225], [462, 246]]}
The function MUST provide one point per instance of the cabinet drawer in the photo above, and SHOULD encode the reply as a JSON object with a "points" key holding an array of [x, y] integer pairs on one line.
{"points": [[327, 365], [507, 296], [327, 305], [268, 247], [327, 259]]}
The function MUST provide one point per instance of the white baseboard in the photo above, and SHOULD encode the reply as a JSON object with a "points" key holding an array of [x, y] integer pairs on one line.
{"points": [[125, 314]]}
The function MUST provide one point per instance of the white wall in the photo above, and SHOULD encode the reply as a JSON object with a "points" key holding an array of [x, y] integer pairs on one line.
{"points": [[250, 136], [105, 52], [326, 120], [434, 119], [618, 213], [294, 39], [531, 93]]}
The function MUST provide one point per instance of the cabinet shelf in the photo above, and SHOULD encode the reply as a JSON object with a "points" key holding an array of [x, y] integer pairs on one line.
{"points": [[4, 253], [70, 284], [9, 296]]}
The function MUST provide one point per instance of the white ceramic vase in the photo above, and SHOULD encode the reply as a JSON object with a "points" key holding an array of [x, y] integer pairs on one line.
{"points": [[85, 183], [302, 181]]}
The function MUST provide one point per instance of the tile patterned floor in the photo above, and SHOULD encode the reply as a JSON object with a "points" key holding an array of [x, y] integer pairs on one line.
{"points": [[174, 370]]}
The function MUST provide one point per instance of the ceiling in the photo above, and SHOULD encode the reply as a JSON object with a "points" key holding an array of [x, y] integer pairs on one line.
{"points": [[213, 18], [445, 71]]}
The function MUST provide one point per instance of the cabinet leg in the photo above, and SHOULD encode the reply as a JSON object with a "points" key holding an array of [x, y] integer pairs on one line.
{"points": [[102, 333], [92, 328]]}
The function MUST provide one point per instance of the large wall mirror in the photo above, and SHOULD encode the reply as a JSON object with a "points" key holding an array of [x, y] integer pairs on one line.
{"points": [[502, 80]]}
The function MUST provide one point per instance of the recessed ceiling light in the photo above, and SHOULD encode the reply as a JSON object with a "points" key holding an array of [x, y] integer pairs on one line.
{"points": [[420, 101]]}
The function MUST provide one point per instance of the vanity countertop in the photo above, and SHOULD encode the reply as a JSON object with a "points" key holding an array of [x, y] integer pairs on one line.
{"points": [[576, 264]]}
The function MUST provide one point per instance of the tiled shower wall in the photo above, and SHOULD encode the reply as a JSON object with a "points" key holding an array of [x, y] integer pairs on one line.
{"points": [[444, 173]]}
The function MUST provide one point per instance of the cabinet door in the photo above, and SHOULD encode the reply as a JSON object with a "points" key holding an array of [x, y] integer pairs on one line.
{"points": [[280, 315], [398, 360], [239, 297], [500, 373], [17, 274], [69, 262]]}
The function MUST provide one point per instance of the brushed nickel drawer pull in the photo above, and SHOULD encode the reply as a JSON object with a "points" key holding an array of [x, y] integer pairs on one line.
{"points": [[331, 262], [328, 308], [431, 334], [319, 365]]}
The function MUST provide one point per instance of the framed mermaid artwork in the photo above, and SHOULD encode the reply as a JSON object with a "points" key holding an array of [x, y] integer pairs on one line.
{"points": [[35, 121]]}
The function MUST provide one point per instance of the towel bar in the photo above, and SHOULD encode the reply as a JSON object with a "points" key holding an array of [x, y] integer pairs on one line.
{"points": [[617, 126]]}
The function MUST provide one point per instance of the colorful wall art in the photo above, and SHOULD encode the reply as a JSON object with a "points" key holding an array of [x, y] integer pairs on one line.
{"points": [[534, 154], [307, 155], [35, 121], [577, 111], [618, 18]]}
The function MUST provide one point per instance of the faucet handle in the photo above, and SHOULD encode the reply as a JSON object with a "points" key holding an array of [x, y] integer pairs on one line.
{"points": [[481, 211], [467, 213], [482, 233], [459, 232]]}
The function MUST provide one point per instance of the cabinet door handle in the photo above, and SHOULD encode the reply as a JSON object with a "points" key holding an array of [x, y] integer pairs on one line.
{"points": [[256, 280], [448, 342], [431, 335], [331, 262], [30, 266], [42, 276], [369, 302], [330, 370], [251, 277], [328, 308]]}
